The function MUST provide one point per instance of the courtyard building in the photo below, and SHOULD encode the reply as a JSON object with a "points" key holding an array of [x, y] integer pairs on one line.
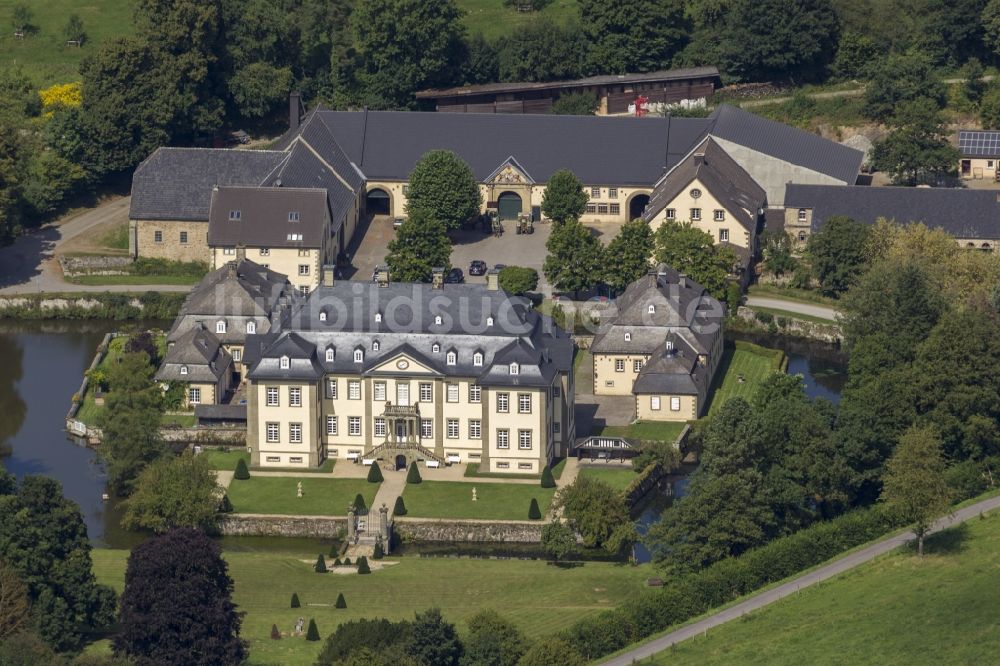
{"points": [[980, 154]]}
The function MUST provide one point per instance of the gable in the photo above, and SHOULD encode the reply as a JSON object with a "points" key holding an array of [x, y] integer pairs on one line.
{"points": [[510, 172], [403, 363]]}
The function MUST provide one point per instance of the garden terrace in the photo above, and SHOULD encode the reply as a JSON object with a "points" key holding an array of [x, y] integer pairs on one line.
{"points": [[278, 495], [494, 501]]}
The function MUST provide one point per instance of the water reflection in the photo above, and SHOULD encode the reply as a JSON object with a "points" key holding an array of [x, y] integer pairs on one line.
{"points": [[12, 406]]}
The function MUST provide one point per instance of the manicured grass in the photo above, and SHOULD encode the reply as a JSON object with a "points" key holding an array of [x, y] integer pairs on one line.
{"points": [[182, 420], [657, 431], [792, 294], [104, 280], [472, 470], [616, 477], [325, 468], [225, 460], [493, 19], [897, 610], [736, 362], [793, 315], [44, 54], [539, 598], [495, 501], [320, 497], [583, 372]]}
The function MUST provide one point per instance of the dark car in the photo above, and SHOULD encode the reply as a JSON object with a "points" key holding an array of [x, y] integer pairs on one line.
{"points": [[477, 267], [500, 267], [454, 276]]}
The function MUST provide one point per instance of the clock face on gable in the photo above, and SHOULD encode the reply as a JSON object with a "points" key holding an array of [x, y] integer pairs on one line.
{"points": [[695, 193], [402, 364]]}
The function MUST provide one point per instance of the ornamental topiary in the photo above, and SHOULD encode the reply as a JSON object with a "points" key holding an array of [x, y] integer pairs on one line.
{"points": [[399, 509], [320, 566], [347, 562], [363, 567], [533, 512], [375, 474], [547, 480], [241, 473], [359, 504], [295, 600], [225, 506], [341, 602], [413, 475], [275, 634], [379, 551], [312, 634], [337, 562]]}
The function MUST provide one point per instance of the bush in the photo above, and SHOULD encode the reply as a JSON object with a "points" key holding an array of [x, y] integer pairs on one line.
{"points": [[379, 551], [320, 566], [275, 634], [375, 474], [399, 508], [413, 474], [518, 280], [547, 480], [334, 550], [312, 634], [341, 602], [337, 562], [346, 562], [359, 503], [533, 512], [225, 506], [763, 317], [363, 567], [241, 473], [295, 600]]}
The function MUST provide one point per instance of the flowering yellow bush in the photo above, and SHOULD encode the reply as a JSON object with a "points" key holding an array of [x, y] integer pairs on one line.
{"points": [[61, 95]]}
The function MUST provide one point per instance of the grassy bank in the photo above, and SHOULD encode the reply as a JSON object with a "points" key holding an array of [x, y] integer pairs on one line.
{"points": [[320, 497], [657, 431], [494, 501], [494, 19], [744, 367], [792, 294], [540, 599], [614, 476]]}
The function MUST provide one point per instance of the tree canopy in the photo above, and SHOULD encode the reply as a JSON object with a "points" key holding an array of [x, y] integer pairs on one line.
{"points": [[633, 35], [174, 491], [917, 150], [629, 254], [595, 510], [421, 245], [564, 198], [443, 188], [575, 258], [691, 251], [837, 253]]}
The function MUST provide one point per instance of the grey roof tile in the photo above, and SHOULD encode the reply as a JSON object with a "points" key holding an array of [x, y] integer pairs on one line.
{"points": [[264, 218]]}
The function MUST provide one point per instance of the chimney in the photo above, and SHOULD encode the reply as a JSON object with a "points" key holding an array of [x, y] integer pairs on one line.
{"points": [[294, 109], [232, 268], [437, 278], [699, 159], [682, 280], [661, 270], [329, 273], [493, 280]]}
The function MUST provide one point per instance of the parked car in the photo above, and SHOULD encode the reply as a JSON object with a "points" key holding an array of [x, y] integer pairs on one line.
{"points": [[454, 276], [500, 267], [477, 267], [397, 222]]}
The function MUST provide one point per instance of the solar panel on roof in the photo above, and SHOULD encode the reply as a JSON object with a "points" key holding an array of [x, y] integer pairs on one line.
{"points": [[979, 143]]}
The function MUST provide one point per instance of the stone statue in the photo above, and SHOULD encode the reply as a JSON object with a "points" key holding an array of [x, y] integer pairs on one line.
{"points": [[299, 623], [299, 489], [473, 493]]}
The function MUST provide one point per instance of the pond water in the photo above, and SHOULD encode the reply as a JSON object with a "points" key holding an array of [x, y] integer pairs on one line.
{"points": [[41, 366]]}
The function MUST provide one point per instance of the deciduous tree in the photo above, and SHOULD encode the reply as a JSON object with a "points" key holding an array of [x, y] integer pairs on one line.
{"points": [[575, 259], [629, 254], [548, 651], [518, 280], [492, 641], [917, 149], [558, 541], [174, 491], [443, 188], [902, 78], [421, 245], [693, 252], [633, 35], [837, 253], [593, 509], [434, 641], [564, 198]]}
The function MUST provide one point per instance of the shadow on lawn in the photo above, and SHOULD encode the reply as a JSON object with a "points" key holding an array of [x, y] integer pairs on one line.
{"points": [[951, 541]]}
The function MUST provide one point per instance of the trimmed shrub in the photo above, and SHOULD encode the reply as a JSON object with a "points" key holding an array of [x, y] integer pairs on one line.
{"points": [[399, 509], [295, 600], [337, 562], [346, 562], [320, 566], [413, 474], [375, 474], [341, 602], [359, 503], [275, 634], [379, 551], [533, 512], [241, 473], [312, 634], [225, 506], [547, 480], [363, 567]]}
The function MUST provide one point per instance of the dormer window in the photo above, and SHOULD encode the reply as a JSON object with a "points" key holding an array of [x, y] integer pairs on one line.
{"points": [[515, 369], [669, 346], [284, 363], [436, 348], [293, 216], [322, 316], [235, 215], [294, 237], [437, 320], [651, 309], [184, 369], [220, 326], [251, 327], [628, 337], [489, 321], [375, 345], [477, 359], [452, 358], [359, 356], [802, 214], [378, 317], [329, 354]]}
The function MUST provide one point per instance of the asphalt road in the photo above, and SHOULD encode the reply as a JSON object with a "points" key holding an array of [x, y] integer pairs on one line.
{"points": [[821, 311], [763, 599]]}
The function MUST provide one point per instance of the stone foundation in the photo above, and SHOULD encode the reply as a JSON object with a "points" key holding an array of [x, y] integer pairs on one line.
{"points": [[242, 524], [468, 531]]}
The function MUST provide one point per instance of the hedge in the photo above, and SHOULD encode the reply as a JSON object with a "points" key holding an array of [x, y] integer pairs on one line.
{"points": [[693, 594]]}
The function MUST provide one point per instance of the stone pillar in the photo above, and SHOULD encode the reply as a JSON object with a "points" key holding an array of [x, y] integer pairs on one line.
{"points": [[383, 525], [352, 525]]}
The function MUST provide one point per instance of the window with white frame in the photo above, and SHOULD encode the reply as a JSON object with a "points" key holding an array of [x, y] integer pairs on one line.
{"points": [[273, 459], [636, 366], [719, 215], [194, 396], [303, 269], [272, 396], [379, 426], [452, 391], [284, 363], [477, 359], [353, 389], [802, 215], [272, 432], [295, 433], [157, 236], [331, 389], [331, 425], [184, 238], [654, 402], [376, 345], [556, 392], [475, 393], [237, 354], [695, 214], [628, 337], [294, 396], [379, 391], [220, 326], [293, 216], [184, 369], [251, 327], [305, 253], [503, 438], [723, 235], [595, 193], [452, 429], [229, 251], [322, 315], [304, 289], [475, 429], [329, 354], [675, 404], [591, 208], [524, 439], [515, 369], [503, 464], [235, 215], [556, 426], [426, 428], [615, 209], [671, 214], [378, 317], [265, 251], [295, 460], [651, 309], [619, 365], [612, 192], [503, 402], [426, 392], [354, 426], [451, 358], [489, 321], [602, 209], [523, 403], [437, 319], [359, 355], [435, 348]]}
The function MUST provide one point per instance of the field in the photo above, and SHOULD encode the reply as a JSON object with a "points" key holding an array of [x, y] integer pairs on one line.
{"points": [[493, 19], [897, 610], [753, 365], [44, 54], [539, 598], [494, 501], [277, 494], [614, 476]]}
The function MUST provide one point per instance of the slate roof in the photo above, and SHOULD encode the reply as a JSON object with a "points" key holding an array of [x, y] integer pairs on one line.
{"points": [[979, 143], [176, 183], [676, 372], [264, 217], [727, 181], [200, 352], [962, 213]]}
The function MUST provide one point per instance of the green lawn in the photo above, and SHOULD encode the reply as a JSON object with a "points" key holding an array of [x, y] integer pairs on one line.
{"points": [[792, 294], [225, 460], [325, 468], [44, 54], [320, 497], [897, 610], [749, 364], [614, 476], [493, 19], [104, 280], [659, 431], [494, 501], [539, 598], [472, 470]]}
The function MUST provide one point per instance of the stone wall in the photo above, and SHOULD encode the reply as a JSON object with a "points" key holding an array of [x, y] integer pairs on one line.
{"points": [[468, 531], [794, 327], [245, 524], [645, 481], [73, 266]]}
